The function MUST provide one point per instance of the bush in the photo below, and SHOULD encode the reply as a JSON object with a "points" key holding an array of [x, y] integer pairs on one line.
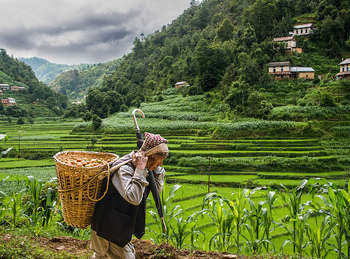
{"points": [[20, 121], [96, 122]]}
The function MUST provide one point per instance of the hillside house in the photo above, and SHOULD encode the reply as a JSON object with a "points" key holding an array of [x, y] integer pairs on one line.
{"points": [[290, 43], [302, 29], [344, 69], [15, 88], [179, 85], [8, 102], [4, 87], [283, 70]]}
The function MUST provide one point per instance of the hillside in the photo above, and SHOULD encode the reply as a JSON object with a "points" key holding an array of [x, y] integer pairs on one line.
{"points": [[75, 83], [34, 99], [45, 70], [223, 48]]}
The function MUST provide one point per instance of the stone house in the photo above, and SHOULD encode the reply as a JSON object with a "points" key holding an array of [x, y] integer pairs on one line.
{"points": [[344, 69], [302, 29], [283, 70], [290, 43]]}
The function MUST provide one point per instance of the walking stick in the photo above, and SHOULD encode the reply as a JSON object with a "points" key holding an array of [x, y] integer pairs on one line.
{"points": [[150, 177]]}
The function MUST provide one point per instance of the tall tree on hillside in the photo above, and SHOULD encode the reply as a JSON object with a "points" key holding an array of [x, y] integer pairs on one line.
{"points": [[225, 30], [209, 63], [262, 16]]}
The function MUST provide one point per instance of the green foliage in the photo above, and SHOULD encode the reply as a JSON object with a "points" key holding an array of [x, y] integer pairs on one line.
{"points": [[16, 72], [96, 122]]}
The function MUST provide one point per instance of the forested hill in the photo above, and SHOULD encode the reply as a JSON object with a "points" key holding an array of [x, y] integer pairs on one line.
{"points": [[75, 83], [15, 72], [222, 47], [47, 71]]}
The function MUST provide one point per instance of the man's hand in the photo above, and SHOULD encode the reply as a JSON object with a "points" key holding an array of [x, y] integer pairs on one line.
{"points": [[140, 160]]}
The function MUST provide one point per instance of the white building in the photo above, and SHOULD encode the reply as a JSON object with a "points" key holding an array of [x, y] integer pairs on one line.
{"points": [[302, 29]]}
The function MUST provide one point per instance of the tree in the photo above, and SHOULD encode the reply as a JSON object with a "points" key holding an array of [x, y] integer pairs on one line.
{"points": [[257, 105], [225, 30], [20, 120], [96, 122]]}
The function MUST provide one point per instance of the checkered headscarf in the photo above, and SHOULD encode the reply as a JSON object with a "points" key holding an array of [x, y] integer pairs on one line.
{"points": [[153, 140]]}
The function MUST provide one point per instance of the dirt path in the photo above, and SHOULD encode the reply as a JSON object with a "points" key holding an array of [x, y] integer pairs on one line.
{"points": [[144, 248]]}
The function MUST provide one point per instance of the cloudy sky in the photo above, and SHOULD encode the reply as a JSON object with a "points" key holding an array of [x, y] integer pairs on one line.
{"points": [[81, 31]]}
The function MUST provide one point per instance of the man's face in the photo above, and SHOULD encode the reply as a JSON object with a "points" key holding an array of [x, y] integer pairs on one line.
{"points": [[154, 161]]}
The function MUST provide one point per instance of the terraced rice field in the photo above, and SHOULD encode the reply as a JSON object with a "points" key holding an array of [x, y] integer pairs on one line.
{"points": [[201, 164]]}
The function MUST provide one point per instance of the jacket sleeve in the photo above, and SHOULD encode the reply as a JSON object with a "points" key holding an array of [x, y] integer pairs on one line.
{"points": [[130, 183]]}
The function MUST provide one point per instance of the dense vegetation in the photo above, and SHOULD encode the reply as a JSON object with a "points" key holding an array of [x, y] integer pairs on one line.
{"points": [[75, 83], [46, 71], [222, 48], [15, 72]]}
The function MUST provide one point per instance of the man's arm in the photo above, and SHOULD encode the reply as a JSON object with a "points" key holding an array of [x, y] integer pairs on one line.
{"points": [[130, 184]]}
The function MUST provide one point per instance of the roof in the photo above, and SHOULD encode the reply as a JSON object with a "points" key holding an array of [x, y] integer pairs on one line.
{"points": [[346, 61], [275, 64], [181, 83], [302, 69], [300, 26], [284, 38]]}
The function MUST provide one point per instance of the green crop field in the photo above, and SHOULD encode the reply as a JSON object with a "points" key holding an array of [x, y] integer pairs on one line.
{"points": [[200, 161]]}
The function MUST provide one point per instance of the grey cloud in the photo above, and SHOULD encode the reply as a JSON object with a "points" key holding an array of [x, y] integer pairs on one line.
{"points": [[98, 31]]}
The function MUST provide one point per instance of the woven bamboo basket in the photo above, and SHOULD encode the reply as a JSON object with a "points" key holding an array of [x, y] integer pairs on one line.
{"points": [[80, 187]]}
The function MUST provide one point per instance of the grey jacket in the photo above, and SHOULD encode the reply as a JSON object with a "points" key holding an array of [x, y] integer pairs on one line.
{"points": [[131, 183]]}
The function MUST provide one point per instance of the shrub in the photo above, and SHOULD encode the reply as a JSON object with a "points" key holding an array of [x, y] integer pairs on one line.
{"points": [[96, 122]]}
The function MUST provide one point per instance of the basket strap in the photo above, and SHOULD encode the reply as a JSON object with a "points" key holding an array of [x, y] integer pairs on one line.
{"points": [[109, 172]]}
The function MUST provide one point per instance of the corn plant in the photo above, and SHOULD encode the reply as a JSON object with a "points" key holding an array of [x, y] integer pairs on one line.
{"points": [[222, 218], [267, 218], [255, 225], [292, 200], [346, 203], [170, 212], [48, 206], [237, 206], [185, 228], [338, 207], [318, 237], [34, 188], [15, 208]]}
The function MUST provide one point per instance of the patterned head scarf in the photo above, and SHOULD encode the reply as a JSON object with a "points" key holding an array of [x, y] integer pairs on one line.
{"points": [[154, 143]]}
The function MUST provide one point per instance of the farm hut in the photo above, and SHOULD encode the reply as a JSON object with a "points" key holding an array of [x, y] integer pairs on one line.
{"points": [[282, 70], [344, 69], [179, 85], [303, 72], [279, 70], [302, 29], [289, 43]]}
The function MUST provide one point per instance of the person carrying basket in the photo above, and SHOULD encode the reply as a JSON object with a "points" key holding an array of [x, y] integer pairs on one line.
{"points": [[121, 213]]}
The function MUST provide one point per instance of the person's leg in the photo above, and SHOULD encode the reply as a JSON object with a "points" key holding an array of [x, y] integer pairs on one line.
{"points": [[126, 252], [99, 245]]}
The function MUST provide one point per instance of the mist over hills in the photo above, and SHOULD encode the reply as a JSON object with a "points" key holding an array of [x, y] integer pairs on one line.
{"points": [[45, 70]]}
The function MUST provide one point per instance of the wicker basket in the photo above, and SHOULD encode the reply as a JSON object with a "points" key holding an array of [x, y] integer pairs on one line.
{"points": [[80, 187]]}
